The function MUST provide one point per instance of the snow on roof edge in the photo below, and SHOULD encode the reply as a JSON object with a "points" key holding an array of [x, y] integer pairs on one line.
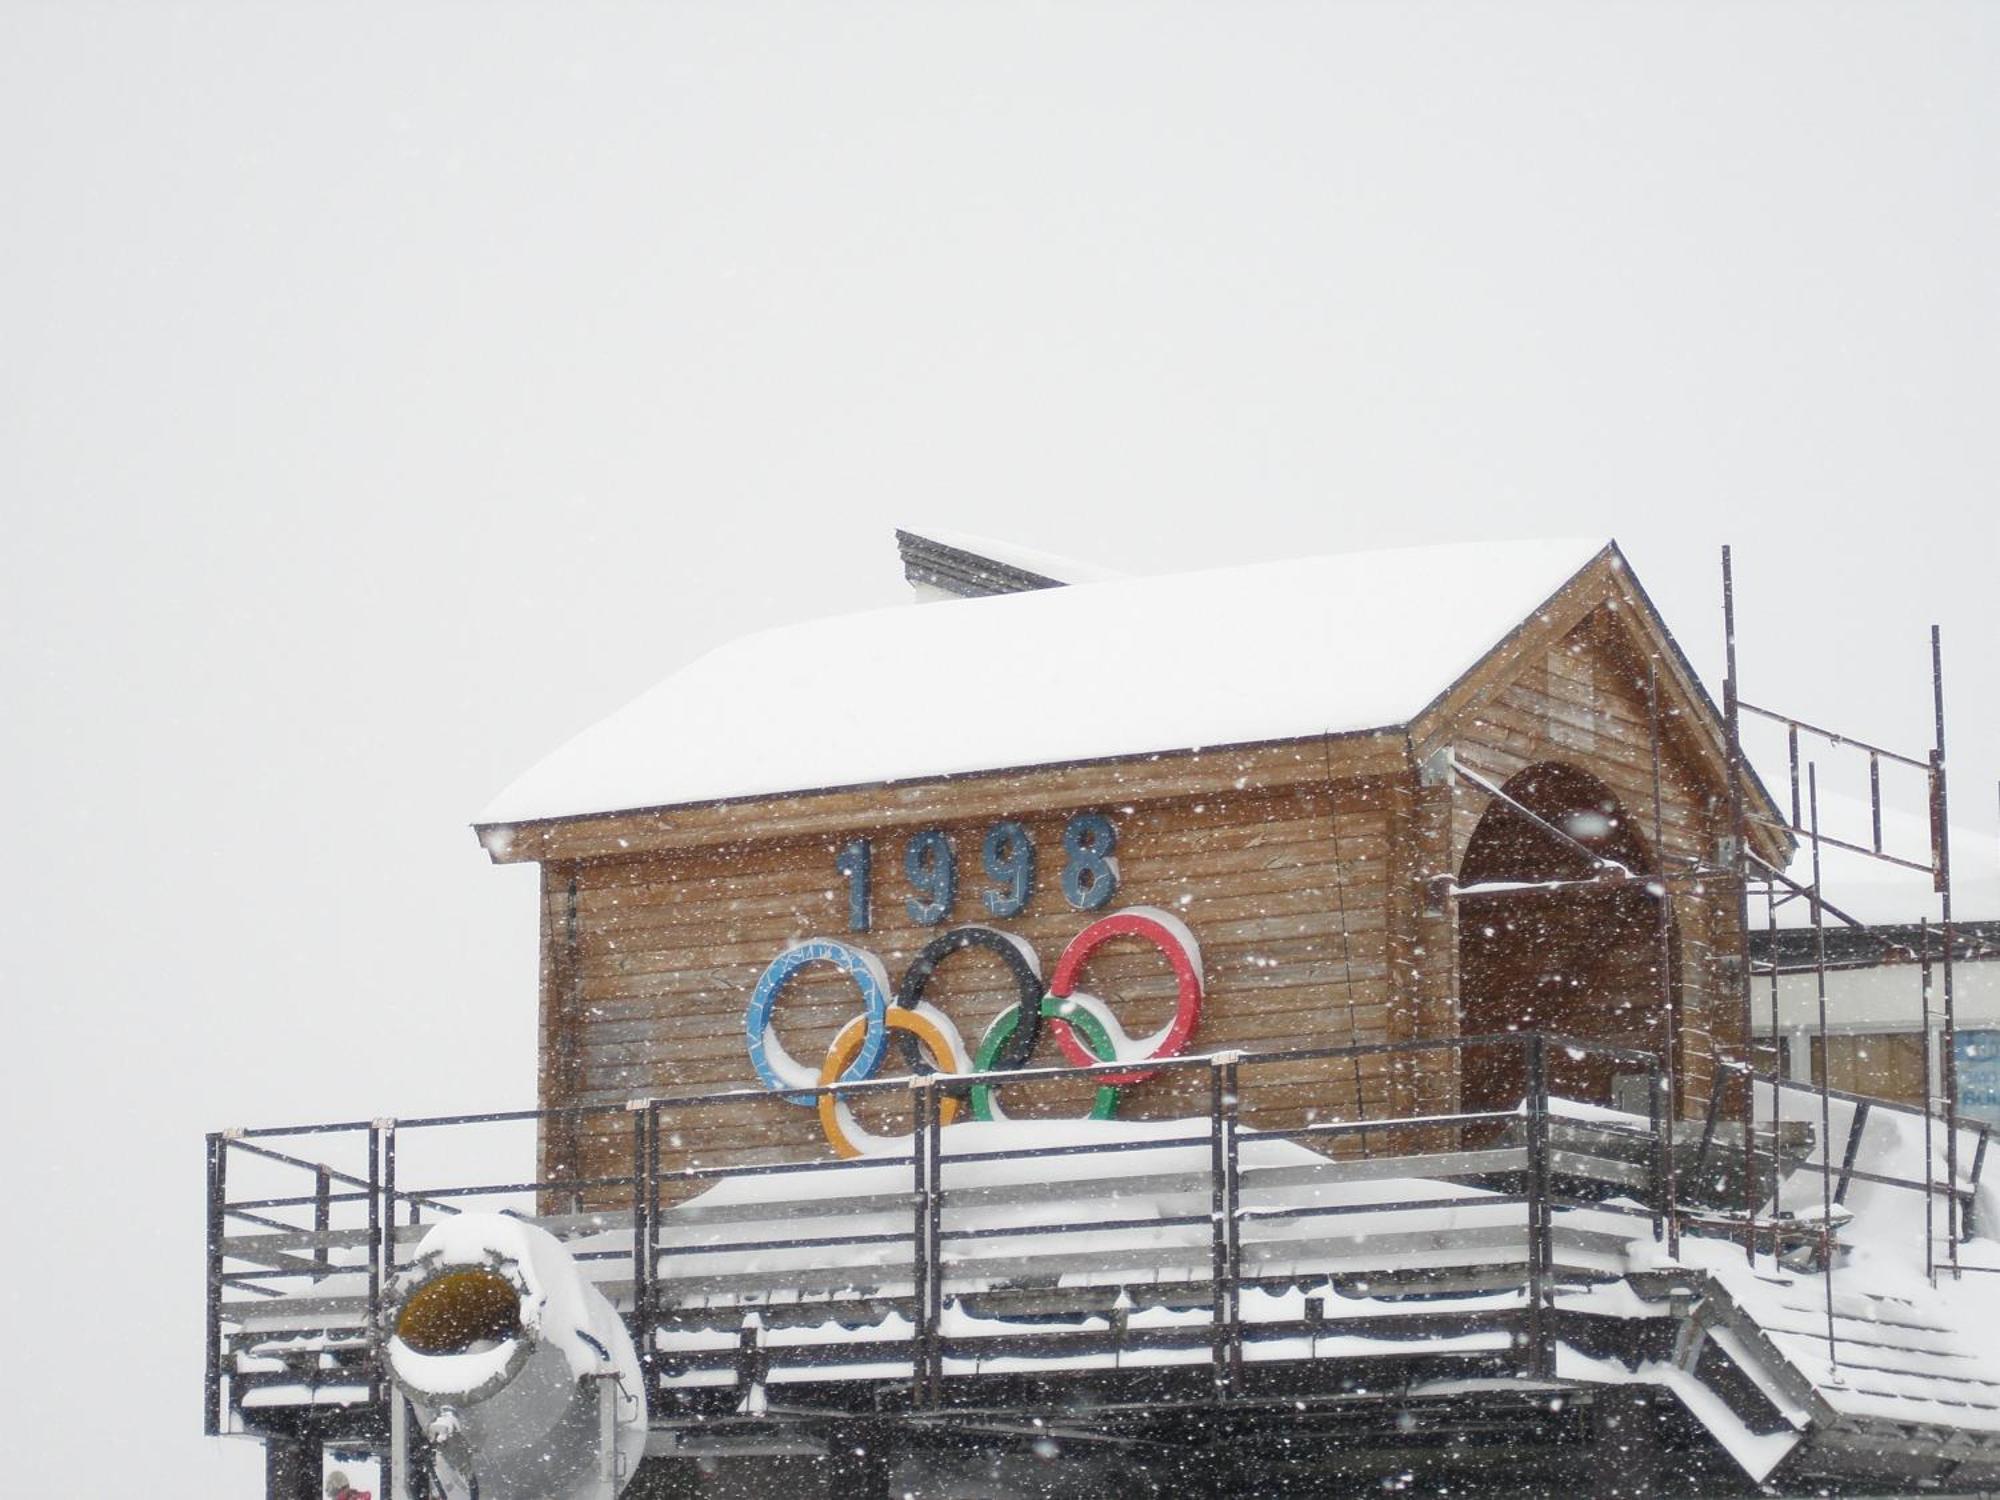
{"points": [[641, 757]]}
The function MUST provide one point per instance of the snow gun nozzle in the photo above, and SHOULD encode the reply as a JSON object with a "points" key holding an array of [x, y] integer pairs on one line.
{"points": [[460, 1312]]}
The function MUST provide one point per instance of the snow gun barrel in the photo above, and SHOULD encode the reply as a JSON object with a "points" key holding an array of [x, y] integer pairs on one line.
{"points": [[523, 1376]]}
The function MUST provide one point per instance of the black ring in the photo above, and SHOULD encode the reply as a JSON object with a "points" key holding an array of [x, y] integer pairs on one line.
{"points": [[911, 991]]}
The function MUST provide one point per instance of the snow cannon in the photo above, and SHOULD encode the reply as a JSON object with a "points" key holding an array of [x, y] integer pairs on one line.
{"points": [[523, 1376]]}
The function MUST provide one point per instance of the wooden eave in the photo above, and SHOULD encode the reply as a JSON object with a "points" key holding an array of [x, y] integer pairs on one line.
{"points": [[1697, 732], [1011, 791]]}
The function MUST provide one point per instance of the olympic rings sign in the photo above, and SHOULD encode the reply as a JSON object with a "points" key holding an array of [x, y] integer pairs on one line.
{"points": [[1083, 1026]]}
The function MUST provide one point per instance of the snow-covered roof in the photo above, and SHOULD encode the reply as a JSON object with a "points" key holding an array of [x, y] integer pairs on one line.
{"points": [[1270, 652]]}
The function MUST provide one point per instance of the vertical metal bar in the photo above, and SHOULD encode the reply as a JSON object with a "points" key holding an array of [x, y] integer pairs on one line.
{"points": [[565, 1159], [322, 1219], [934, 1310], [749, 1361], [1930, 1156], [1658, 1185], [1825, 1081], [1941, 863], [1777, 1067], [650, 1357], [1664, 922], [919, 1249], [1972, 1181], [607, 1436], [1854, 1130], [399, 1446], [1875, 796], [642, 1261], [1740, 856], [1791, 747], [211, 1385], [1232, 1223], [1218, 1247], [384, 1132], [1541, 1350], [376, 1382], [921, 1268]]}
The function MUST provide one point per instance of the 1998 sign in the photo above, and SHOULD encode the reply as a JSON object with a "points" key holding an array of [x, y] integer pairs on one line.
{"points": [[1006, 853]]}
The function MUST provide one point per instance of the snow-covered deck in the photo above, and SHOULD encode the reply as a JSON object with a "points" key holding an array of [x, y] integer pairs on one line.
{"points": [[1201, 1261]]}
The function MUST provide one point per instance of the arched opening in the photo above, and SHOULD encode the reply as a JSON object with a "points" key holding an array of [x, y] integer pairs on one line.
{"points": [[1548, 954]]}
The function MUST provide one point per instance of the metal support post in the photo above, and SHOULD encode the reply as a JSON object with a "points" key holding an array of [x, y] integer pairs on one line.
{"points": [[1972, 1182], [607, 1435], [1669, 1009], [923, 1248], [1739, 835], [644, 1118], [934, 1175], [1541, 1346], [399, 1447], [1941, 878], [1222, 1290], [377, 1265], [1655, 1087], [1930, 1153], [1825, 1081], [1855, 1128], [218, 1148], [322, 1219], [1777, 1067], [1225, 1164], [385, 1132], [649, 1359]]}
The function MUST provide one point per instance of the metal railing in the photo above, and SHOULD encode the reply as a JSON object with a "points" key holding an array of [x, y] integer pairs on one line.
{"points": [[307, 1226]]}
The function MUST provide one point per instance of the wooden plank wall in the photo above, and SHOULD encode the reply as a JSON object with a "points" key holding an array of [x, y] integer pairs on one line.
{"points": [[1315, 899], [1584, 702], [1283, 889]]}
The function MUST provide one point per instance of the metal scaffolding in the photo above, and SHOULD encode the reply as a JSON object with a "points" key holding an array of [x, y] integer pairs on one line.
{"points": [[1800, 819]]}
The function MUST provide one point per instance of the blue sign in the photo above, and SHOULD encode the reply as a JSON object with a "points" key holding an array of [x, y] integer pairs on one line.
{"points": [[1979, 1075]]}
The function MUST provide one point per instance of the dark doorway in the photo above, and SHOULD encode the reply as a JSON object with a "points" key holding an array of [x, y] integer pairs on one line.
{"points": [[1579, 959]]}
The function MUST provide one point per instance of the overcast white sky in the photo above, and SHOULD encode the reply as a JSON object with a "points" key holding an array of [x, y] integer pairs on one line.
{"points": [[390, 390]]}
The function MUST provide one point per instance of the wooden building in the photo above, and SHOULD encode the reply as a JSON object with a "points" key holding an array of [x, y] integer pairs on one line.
{"points": [[1419, 793], [1277, 846]]}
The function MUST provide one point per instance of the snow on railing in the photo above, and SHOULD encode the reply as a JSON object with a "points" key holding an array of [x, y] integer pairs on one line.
{"points": [[1223, 1216]]}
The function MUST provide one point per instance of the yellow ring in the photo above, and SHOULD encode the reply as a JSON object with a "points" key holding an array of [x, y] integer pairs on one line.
{"points": [[835, 1118]]}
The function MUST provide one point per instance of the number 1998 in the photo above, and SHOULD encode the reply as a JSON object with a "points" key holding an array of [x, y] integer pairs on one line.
{"points": [[1006, 855]]}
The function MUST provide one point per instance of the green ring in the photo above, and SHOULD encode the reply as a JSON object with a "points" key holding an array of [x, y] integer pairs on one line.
{"points": [[1102, 1108]]}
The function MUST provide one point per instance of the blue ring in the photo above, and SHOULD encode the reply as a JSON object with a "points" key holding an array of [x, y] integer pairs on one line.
{"points": [[874, 997]]}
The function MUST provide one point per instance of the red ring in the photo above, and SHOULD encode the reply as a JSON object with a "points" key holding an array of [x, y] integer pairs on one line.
{"points": [[1136, 922]]}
